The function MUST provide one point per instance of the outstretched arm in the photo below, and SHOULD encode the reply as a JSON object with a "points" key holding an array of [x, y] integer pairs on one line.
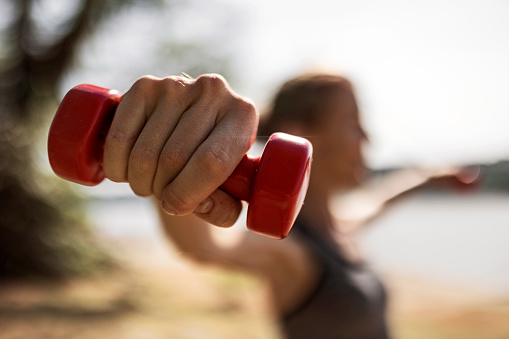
{"points": [[362, 205]]}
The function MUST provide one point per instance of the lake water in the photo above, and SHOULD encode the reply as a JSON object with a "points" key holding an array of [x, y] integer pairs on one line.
{"points": [[453, 239]]}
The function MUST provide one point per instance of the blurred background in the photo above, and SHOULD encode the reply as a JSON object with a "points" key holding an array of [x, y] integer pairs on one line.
{"points": [[432, 82]]}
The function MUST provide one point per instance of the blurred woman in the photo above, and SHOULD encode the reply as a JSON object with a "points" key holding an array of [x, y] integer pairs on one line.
{"points": [[320, 286], [345, 298]]}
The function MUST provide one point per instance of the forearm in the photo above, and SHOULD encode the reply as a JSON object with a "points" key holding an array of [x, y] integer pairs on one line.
{"points": [[398, 184], [195, 240], [369, 202], [190, 235]]}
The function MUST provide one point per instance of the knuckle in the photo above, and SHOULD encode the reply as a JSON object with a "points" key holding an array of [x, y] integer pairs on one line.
{"points": [[246, 141], [144, 84], [246, 116], [144, 160], [117, 138], [212, 83], [173, 158], [176, 91], [215, 160], [246, 108], [172, 83], [245, 105]]}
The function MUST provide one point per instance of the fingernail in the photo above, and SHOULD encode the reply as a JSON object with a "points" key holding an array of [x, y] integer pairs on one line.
{"points": [[205, 206], [167, 209]]}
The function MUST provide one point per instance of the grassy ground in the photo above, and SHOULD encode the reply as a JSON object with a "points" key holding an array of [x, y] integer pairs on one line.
{"points": [[157, 296], [424, 310]]}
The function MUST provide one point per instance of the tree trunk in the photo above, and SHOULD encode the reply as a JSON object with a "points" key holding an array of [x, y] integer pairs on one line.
{"points": [[42, 232]]}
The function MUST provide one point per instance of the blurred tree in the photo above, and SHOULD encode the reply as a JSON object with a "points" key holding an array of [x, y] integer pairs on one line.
{"points": [[42, 232]]}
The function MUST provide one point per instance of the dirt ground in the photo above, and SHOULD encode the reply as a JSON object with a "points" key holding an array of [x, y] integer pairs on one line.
{"points": [[159, 295]]}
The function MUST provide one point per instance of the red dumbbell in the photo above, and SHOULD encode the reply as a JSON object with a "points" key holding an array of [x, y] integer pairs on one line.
{"points": [[274, 184]]}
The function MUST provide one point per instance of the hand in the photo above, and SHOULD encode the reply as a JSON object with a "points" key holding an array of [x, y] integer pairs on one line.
{"points": [[457, 178], [179, 139]]}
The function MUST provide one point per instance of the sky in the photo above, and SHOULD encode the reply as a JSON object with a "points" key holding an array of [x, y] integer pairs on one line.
{"points": [[432, 77]]}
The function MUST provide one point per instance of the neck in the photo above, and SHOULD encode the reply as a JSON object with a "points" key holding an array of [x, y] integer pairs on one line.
{"points": [[316, 210]]}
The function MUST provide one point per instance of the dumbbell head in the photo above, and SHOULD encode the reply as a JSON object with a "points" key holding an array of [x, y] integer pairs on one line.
{"points": [[280, 185], [78, 131]]}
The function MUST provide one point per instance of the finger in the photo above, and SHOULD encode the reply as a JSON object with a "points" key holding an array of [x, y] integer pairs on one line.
{"points": [[220, 209], [129, 120], [214, 160], [145, 155], [192, 129]]}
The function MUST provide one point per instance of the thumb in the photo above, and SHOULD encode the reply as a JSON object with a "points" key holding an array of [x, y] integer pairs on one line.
{"points": [[220, 209]]}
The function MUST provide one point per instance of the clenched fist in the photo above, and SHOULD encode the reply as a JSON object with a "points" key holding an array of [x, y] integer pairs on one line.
{"points": [[179, 139]]}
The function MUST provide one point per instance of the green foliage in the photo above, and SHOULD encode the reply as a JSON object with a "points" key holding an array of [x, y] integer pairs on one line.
{"points": [[496, 176]]}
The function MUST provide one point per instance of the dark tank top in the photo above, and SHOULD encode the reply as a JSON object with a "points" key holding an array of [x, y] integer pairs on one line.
{"points": [[347, 303]]}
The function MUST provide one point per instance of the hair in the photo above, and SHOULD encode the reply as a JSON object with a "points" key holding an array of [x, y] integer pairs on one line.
{"points": [[301, 100]]}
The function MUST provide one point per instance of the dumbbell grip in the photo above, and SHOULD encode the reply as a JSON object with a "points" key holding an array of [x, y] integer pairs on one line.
{"points": [[86, 167]]}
